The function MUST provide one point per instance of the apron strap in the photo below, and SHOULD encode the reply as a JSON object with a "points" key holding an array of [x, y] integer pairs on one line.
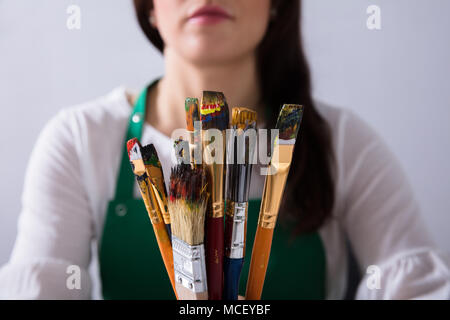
{"points": [[126, 180]]}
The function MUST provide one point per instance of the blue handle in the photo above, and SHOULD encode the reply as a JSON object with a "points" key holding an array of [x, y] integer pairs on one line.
{"points": [[169, 232], [232, 273]]}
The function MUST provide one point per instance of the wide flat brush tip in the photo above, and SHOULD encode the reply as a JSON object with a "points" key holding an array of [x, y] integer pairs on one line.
{"points": [[131, 143], [243, 118], [214, 111], [289, 121], [150, 155]]}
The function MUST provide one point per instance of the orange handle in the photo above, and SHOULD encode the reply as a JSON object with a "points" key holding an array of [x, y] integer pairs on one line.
{"points": [[165, 248], [258, 263]]}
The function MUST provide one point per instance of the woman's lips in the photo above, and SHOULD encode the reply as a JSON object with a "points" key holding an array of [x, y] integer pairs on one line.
{"points": [[210, 14]]}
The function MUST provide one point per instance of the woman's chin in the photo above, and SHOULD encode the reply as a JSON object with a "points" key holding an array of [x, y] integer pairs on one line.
{"points": [[209, 54]]}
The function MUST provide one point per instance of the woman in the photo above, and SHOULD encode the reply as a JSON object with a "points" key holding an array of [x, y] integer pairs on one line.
{"points": [[345, 190]]}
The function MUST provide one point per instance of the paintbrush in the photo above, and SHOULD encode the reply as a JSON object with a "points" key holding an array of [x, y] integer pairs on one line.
{"points": [[240, 151], [145, 186], [193, 127], [214, 115], [187, 205], [288, 124], [155, 173]]}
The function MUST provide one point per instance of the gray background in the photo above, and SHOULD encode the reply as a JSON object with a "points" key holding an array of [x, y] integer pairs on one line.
{"points": [[395, 78]]}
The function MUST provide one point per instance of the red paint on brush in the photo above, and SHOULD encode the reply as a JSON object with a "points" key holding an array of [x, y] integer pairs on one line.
{"points": [[130, 144]]}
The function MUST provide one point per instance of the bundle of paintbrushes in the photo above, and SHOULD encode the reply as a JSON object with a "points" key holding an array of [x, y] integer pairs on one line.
{"points": [[240, 151], [148, 172], [204, 261], [187, 206]]}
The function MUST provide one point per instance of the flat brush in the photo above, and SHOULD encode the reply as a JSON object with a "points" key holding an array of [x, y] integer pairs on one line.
{"points": [[187, 206], [145, 186], [193, 128], [214, 114], [288, 124], [155, 173], [240, 152]]}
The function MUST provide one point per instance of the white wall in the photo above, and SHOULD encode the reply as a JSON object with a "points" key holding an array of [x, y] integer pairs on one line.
{"points": [[395, 78]]}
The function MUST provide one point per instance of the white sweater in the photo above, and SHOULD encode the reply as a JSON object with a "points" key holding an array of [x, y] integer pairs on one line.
{"points": [[72, 175]]}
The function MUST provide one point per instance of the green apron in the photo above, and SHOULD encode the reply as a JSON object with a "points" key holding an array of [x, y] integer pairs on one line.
{"points": [[131, 266]]}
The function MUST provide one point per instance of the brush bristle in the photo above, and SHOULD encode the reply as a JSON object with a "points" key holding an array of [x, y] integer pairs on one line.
{"points": [[214, 112], [192, 112], [134, 150], [289, 121], [187, 203], [150, 155], [243, 118], [131, 143]]}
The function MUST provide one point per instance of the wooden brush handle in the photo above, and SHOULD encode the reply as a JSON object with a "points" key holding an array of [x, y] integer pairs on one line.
{"points": [[214, 257], [165, 248], [258, 263], [186, 294]]}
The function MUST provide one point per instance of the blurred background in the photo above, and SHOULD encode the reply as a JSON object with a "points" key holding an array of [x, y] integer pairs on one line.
{"points": [[395, 78]]}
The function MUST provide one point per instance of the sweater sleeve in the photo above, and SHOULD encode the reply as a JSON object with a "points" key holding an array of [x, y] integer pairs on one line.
{"points": [[52, 250], [382, 220]]}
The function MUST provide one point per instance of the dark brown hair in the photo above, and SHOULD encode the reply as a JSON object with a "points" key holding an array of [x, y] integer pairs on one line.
{"points": [[285, 78]]}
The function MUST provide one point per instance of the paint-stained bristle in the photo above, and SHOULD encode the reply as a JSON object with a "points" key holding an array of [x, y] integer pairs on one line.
{"points": [[226, 111], [131, 143], [187, 203], [243, 118], [134, 151], [192, 112], [289, 121], [214, 112], [150, 155]]}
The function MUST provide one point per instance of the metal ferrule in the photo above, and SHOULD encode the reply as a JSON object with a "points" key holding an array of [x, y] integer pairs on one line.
{"points": [[237, 212], [274, 185], [189, 265], [217, 210], [149, 200], [157, 185], [216, 178], [161, 204]]}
